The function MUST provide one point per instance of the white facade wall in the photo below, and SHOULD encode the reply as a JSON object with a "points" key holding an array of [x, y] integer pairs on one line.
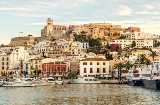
{"points": [[84, 45], [17, 55], [148, 43], [94, 67], [43, 43], [139, 43], [75, 51], [124, 43], [5, 49]]}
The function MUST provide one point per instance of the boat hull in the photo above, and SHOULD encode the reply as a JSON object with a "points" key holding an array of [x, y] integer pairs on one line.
{"points": [[18, 85], [59, 82], [44, 83], [85, 82], [135, 83], [152, 84]]}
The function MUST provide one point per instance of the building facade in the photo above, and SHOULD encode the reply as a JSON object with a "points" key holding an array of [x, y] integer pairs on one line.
{"points": [[94, 66], [22, 41], [57, 69]]}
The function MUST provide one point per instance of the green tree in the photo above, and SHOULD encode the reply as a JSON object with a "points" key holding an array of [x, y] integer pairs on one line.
{"points": [[108, 55], [95, 42], [133, 44], [2, 45]]}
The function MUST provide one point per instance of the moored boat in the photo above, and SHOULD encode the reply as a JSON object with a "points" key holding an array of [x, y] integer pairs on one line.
{"points": [[153, 79], [134, 77], [17, 83], [45, 81], [85, 80]]}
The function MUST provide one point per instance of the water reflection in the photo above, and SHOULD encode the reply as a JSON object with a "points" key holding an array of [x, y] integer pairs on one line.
{"points": [[73, 94]]}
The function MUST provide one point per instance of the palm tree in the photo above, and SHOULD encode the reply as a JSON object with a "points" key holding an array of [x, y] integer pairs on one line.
{"points": [[142, 58], [128, 65], [153, 54], [147, 62], [119, 66]]}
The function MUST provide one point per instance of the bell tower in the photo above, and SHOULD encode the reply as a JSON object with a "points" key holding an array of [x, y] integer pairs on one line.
{"points": [[49, 26]]}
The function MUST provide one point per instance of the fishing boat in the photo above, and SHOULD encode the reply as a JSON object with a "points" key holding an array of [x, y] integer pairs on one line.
{"points": [[85, 80]]}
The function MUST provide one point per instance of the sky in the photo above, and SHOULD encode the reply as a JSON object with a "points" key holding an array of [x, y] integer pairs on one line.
{"points": [[29, 16]]}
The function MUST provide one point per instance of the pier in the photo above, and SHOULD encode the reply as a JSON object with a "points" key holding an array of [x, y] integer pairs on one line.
{"points": [[114, 81]]}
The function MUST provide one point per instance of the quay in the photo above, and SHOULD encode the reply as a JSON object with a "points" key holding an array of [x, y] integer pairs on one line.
{"points": [[104, 81], [114, 81]]}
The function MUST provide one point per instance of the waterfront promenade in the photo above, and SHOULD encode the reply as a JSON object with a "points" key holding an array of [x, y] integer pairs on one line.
{"points": [[106, 81]]}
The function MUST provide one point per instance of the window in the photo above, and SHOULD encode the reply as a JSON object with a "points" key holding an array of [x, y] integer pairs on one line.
{"points": [[104, 70], [7, 67], [50, 68], [104, 63], [44, 68], [36, 66], [84, 70], [91, 70], [98, 70], [63, 69], [97, 63], [57, 68], [2, 67], [84, 63], [90, 63]]}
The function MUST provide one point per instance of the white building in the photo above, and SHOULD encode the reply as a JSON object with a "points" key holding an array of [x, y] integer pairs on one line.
{"points": [[94, 66], [12, 59], [43, 43], [138, 35], [140, 43]]}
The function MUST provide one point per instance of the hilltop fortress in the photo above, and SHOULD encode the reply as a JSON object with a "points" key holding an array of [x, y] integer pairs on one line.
{"points": [[56, 31]]}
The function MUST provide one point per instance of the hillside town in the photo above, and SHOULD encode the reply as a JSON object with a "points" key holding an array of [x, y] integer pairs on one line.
{"points": [[102, 50]]}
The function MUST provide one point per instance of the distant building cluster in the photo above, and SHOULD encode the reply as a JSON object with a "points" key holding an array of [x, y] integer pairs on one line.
{"points": [[57, 52]]}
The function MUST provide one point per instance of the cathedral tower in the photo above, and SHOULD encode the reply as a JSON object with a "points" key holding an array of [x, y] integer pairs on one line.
{"points": [[49, 26]]}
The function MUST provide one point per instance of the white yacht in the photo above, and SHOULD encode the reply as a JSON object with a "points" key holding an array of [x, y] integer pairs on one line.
{"points": [[17, 82], [85, 80], [134, 77], [45, 81]]}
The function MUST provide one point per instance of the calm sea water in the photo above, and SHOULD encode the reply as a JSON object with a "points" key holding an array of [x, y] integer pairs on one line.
{"points": [[79, 94]]}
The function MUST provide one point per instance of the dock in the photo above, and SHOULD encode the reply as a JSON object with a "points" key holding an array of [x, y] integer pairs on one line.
{"points": [[114, 82]]}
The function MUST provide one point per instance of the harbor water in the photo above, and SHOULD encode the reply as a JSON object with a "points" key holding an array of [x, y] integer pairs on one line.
{"points": [[79, 94]]}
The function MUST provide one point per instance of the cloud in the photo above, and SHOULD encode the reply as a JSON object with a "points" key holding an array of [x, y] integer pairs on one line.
{"points": [[147, 13], [36, 24], [16, 8], [123, 10], [149, 7]]}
